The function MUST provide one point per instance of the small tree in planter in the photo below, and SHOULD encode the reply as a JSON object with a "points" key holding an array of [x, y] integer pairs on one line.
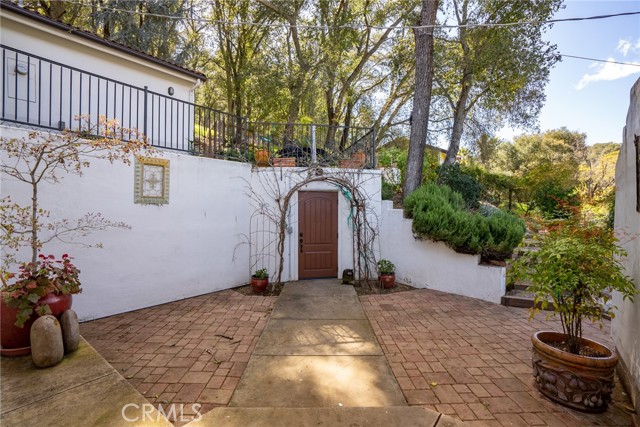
{"points": [[576, 268], [387, 273], [43, 157]]}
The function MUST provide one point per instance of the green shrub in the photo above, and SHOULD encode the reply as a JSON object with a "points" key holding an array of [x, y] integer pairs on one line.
{"points": [[465, 184], [388, 190], [554, 201], [439, 214]]}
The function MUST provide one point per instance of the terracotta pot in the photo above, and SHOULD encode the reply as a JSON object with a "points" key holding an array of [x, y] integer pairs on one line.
{"points": [[388, 280], [578, 382], [359, 158], [16, 341], [285, 162], [262, 157], [259, 285]]}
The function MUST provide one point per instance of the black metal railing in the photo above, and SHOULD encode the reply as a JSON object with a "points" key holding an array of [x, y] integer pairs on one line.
{"points": [[325, 145], [43, 93]]}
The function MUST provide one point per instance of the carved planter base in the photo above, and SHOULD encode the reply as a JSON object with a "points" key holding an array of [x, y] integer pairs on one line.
{"points": [[578, 382]]}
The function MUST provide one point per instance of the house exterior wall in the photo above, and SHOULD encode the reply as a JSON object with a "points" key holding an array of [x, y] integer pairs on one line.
{"points": [[432, 265], [624, 327], [190, 246], [25, 34], [62, 76]]}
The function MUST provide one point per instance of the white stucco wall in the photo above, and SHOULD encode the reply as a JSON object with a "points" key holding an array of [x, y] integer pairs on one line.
{"points": [[188, 247], [624, 327], [198, 243], [427, 264]]}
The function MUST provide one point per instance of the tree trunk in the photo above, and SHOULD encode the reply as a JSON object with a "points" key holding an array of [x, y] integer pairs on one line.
{"points": [[34, 220], [422, 96], [459, 116]]}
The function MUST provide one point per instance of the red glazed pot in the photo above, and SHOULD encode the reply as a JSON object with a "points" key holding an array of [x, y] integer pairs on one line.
{"points": [[259, 285], [58, 303], [388, 280], [16, 341]]}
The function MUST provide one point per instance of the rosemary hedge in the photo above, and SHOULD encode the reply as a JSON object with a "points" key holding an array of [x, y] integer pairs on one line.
{"points": [[439, 214]]}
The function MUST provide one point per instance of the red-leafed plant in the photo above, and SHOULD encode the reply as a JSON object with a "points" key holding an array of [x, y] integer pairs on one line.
{"points": [[37, 279]]}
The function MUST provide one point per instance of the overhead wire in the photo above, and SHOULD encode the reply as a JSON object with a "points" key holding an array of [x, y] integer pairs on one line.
{"points": [[357, 26], [610, 61], [363, 26]]}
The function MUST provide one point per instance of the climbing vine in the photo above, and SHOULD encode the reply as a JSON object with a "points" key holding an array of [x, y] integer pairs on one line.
{"points": [[272, 196]]}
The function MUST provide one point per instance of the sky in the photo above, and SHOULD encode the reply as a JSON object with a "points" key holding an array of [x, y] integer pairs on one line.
{"points": [[588, 96]]}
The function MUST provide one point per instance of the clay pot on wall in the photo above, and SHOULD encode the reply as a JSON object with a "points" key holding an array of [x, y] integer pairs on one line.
{"points": [[578, 382], [285, 162], [262, 157]]}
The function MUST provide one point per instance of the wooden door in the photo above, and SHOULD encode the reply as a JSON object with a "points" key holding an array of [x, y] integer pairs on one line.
{"points": [[317, 234]]}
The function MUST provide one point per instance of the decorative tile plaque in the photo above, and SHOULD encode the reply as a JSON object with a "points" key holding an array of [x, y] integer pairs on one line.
{"points": [[151, 181]]}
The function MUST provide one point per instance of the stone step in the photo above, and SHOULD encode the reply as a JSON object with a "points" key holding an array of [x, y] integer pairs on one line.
{"points": [[520, 299], [405, 416]]}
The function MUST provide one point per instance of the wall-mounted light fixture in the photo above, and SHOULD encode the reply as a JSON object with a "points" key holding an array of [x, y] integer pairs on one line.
{"points": [[171, 91], [22, 69]]}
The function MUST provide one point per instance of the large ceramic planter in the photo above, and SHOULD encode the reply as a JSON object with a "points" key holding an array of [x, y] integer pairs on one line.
{"points": [[388, 280], [16, 341], [58, 303], [578, 382], [259, 285]]}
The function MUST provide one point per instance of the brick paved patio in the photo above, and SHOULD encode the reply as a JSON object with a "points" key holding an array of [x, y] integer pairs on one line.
{"points": [[471, 359], [456, 355], [189, 351]]}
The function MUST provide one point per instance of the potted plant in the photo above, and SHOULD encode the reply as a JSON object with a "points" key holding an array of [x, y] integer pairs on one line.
{"points": [[576, 268], [43, 287], [260, 280], [387, 273]]}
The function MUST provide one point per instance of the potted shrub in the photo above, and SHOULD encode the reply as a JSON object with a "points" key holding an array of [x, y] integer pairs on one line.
{"points": [[576, 268], [387, 273], [260, 280], [43, 287]]}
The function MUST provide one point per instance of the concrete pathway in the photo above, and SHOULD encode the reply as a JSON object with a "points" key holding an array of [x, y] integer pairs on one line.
{"points": [[318, 362]]}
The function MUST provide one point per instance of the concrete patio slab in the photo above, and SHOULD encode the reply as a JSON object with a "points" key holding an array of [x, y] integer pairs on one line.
{"points": [[81, 367], [319, 307], [317, 381], [82, 390], [318, 337], [317, 288], [334, 417]]}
